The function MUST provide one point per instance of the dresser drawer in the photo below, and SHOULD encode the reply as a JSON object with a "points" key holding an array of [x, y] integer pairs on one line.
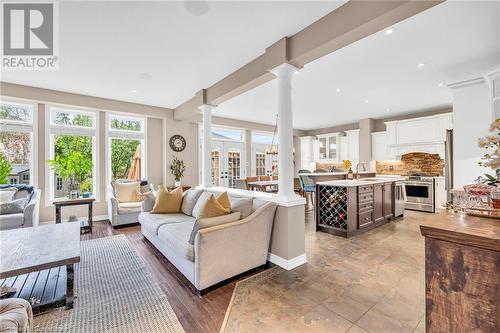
{"points": [[365, 197], [365, 219], [365, 189]]}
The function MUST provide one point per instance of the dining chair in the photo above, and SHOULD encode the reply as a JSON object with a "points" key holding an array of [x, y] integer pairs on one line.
{"points": [[308, 187], [296, 186], [304, 171], [251, 179], [264, 178], [321, 170], [241, 184]]}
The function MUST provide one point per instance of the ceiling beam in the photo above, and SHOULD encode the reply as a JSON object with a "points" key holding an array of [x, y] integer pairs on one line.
{"points": [[345, 25]]}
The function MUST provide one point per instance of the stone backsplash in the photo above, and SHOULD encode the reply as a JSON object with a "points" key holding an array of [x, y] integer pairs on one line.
{"points": [[329, 165], [412, 163]]}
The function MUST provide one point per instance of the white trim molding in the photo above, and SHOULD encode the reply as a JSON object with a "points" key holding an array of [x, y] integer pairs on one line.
{"points": [[287, 264], [466, 83]]}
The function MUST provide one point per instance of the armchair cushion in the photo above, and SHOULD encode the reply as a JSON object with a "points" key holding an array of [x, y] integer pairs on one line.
{"points": [[149, 202], [129, 207], [13, 207], [126, 191], [7, 194], [15, 315]]}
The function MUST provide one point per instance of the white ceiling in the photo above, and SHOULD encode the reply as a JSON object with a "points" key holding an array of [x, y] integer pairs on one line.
{"points": [[166, 51], [456, 41]]}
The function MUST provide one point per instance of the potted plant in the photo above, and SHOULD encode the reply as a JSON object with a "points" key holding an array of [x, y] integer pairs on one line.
{"points": [[492, 158], [74, 168], [177, 169]]}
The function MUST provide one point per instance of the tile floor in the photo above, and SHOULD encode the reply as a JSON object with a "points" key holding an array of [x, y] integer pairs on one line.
{"points": [[369, 283]]}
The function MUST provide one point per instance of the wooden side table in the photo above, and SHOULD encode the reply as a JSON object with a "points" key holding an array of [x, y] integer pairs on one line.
{"points": [[63, 202]]}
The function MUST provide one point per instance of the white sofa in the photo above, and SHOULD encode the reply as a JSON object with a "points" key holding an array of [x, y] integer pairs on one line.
{"points": [[29, 217], [123, 213], [219, 252]]}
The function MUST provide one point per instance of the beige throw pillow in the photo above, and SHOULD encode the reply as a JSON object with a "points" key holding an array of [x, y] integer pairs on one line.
{"points": [[167, 202], [127, 192], [213, 207], [212, 222]]}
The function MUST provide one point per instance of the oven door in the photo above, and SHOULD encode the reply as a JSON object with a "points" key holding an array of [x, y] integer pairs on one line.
{"points": [[420, 196]]}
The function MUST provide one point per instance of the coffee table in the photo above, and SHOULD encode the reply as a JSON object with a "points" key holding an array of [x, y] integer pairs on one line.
{"points": [[27, 250]]}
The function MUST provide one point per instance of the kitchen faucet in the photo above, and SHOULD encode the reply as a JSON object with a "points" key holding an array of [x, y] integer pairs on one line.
{"points": [[357, 168]]}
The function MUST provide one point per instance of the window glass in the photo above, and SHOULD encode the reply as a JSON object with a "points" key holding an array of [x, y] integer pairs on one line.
{"points": [[15, 151], [72, 118], [260, 164], [70, 148], [227, 134], [264, 138], [126, 124], [125, 159], [16, 112]]}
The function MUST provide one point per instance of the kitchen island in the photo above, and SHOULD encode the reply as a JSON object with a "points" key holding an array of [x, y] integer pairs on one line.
{"points": [[349, 207]]}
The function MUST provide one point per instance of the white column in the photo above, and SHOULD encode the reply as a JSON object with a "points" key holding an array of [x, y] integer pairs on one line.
{"points": [[284, 74], [206, 151], [492, 78]]}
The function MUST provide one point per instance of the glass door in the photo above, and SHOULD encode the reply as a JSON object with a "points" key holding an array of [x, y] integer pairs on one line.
{"points": [[227, 162]]}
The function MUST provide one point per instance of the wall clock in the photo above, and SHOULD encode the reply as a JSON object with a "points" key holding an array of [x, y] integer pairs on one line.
{"points": [[177, 143]]}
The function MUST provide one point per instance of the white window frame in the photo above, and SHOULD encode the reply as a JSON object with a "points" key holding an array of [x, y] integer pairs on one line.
{"points": [[259, 148], [25, 127], [54, 129], [111, 133]]}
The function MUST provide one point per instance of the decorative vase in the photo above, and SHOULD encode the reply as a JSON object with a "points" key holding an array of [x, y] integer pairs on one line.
{"points": [[177, 183], [73, 190]]}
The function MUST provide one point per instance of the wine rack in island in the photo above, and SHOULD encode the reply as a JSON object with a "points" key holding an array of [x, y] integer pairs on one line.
{"points": [[348, 208]]}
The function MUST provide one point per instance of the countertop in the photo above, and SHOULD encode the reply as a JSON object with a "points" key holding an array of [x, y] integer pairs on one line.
{"points": [[340, 173], [463, 229], [360, 182]]}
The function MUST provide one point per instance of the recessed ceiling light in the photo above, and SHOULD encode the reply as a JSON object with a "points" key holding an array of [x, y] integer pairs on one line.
{"points": [[389, 31], [440, 84], [366, 101], [387, 109], [420, 65], [134, 91], [337, 90]]}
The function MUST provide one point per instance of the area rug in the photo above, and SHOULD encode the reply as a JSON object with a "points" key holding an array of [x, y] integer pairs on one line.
{"points": [[115, 293], [240, 293]]}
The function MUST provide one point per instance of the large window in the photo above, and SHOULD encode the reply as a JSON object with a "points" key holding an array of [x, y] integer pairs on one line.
{"points": [[72, 142], [126, 151], [16, 142]]}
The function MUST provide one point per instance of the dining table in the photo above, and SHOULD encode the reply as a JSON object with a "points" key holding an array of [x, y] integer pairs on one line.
{"points": [[264, 185]]}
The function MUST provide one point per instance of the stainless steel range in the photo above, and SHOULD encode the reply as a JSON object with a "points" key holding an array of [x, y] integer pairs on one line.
{"points": [[420, 193]]}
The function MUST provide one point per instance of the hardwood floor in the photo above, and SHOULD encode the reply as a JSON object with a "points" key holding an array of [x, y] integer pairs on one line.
{"points": [[196, 313]]}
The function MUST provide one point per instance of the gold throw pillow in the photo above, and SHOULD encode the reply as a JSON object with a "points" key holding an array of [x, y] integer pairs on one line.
{"points": [[223, 199], [213, 208], [167, 202]]}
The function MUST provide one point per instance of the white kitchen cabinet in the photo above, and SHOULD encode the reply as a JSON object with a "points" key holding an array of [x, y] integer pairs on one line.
{"points": [[343, 148], [379, 146], [425, 134], [309, 149], [328, 146], [353, 146]]}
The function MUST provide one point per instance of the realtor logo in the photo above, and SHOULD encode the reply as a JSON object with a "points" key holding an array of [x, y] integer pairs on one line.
{"points": [[29, 36]]}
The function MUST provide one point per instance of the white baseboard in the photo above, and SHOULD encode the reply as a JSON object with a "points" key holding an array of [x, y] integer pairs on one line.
{"points": [[287, 264]]}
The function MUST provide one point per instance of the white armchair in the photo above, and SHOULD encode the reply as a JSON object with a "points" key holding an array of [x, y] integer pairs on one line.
{"points": [[28, 218], [122, 212]]}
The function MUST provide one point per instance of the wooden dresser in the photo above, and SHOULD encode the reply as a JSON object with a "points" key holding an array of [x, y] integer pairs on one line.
{"points": [[462, 273]]}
